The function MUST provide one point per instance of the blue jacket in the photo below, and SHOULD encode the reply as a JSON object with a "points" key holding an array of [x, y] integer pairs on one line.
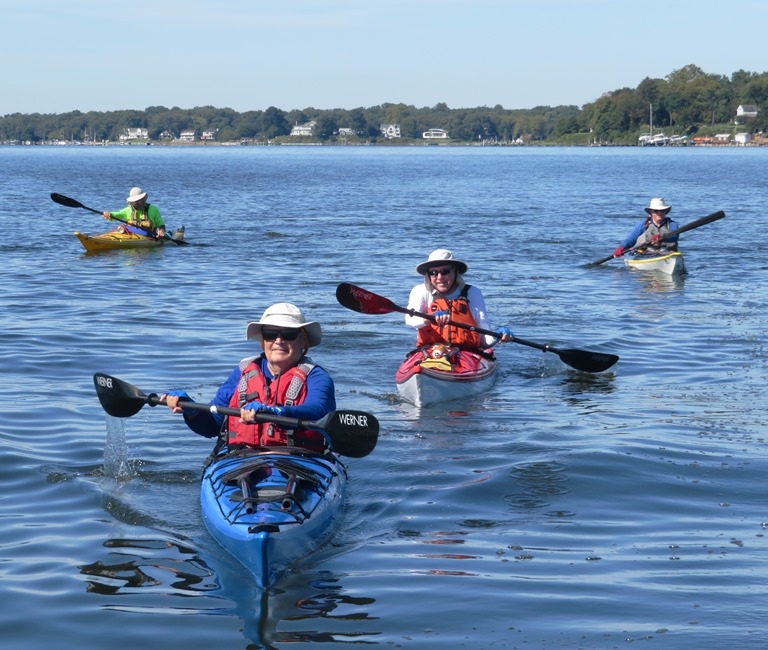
{"points": [[639, 229]]}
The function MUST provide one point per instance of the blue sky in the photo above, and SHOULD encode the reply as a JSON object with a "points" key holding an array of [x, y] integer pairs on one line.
{"points": [[101, 55]]}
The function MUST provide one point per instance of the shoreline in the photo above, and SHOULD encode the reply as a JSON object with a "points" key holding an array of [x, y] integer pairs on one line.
{"points": [[377, 144]]}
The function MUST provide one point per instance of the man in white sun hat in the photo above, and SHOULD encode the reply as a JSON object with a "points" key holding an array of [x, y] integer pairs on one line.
{"points": [[141, 215], [282, 380], [446, 296], [651, 229]]}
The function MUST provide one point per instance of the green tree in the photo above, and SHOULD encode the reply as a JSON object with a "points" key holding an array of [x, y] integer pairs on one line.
{"points": [[325, 127], [274, 123], [357, 121]]}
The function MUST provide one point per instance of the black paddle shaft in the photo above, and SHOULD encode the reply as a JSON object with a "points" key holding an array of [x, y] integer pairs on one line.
{"points": [[351, 433], [579, 359], [363, 301]]}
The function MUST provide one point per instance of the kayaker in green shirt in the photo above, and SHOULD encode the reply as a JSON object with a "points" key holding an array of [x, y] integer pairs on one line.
{"points": [[144, 216]]}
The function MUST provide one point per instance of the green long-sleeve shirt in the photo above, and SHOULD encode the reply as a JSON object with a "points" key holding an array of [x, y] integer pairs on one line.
{"points": [[149, 217]]}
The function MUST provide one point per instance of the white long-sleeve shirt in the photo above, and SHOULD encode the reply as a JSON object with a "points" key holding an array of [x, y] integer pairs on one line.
{"points": [[420, 300]]}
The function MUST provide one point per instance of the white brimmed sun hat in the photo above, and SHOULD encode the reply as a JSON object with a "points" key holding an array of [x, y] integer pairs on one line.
{"points": [[136, 194], [658, 205], [284, 314], [438, 258]]}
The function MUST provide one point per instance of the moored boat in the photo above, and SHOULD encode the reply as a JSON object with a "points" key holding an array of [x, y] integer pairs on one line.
{"points": [[670, 263], [272, 507], [122, 238], [440, 373]]}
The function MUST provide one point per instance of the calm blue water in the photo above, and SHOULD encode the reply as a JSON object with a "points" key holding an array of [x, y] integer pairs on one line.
{"points": [[559, 510]]}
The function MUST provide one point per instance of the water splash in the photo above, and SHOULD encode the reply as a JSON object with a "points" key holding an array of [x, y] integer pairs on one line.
{"points": [[116, 449]]}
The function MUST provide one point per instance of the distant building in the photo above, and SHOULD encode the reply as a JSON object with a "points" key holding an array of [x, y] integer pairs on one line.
{"points": [[346, 131], [435, 134], [742, 138], [208, 135], [134, 134], [747, 110], [722, 138], [304, 129], [390, 130], [188, 136]]}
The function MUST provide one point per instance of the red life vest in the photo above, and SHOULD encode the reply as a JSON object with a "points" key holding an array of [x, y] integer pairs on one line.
{"points": [[460, 313], [286, 389]]}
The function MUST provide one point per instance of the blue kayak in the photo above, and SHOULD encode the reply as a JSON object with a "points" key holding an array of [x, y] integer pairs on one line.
{"points": [[271, 508]]}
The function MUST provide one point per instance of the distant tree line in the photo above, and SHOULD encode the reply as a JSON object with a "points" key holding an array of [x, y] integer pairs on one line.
{"points": [[687, 101], [470, 124]]}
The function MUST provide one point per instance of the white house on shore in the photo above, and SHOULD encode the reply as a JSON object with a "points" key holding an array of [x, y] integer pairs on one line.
{"points": [[390, 130], [745, 112], [188, 136], [435, 134], [134, 134], [304, 129]]}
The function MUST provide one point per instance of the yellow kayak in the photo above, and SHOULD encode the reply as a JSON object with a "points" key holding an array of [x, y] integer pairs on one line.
{"points": [[120, 238]]}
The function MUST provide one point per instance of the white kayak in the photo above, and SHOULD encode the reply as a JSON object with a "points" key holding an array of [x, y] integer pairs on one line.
{"points": [[440, 373], [669, 263]]}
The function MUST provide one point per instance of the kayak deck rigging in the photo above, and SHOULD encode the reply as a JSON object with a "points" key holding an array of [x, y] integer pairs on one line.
{"points": [[284, 490]]}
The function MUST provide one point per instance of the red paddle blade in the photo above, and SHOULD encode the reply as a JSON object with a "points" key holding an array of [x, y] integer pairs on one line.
{"points": [[363, 301]]}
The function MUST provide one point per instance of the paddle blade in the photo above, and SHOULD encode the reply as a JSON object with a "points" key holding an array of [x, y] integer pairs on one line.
{"points": [[65, 200], [118, 398], [352, 433], [587, 361], [602, 260], [365, 302]]}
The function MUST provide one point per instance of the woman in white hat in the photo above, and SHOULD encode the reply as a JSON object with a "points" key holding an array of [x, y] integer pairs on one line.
{"points": [[145, 216], [446, 296], [651, 230], [282, 380]]}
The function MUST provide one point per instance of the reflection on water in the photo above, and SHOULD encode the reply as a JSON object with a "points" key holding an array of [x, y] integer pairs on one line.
{"points": [[650, 281], [169, 569], [579, 383], [658, 281], [175, 572], [126, 256]]}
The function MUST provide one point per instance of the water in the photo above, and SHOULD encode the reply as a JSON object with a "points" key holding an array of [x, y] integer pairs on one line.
{"points": [[559, 510]]}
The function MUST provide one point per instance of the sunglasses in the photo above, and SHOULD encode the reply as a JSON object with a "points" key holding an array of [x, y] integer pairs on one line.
{"points": [[286, 335], [433, 273]]}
